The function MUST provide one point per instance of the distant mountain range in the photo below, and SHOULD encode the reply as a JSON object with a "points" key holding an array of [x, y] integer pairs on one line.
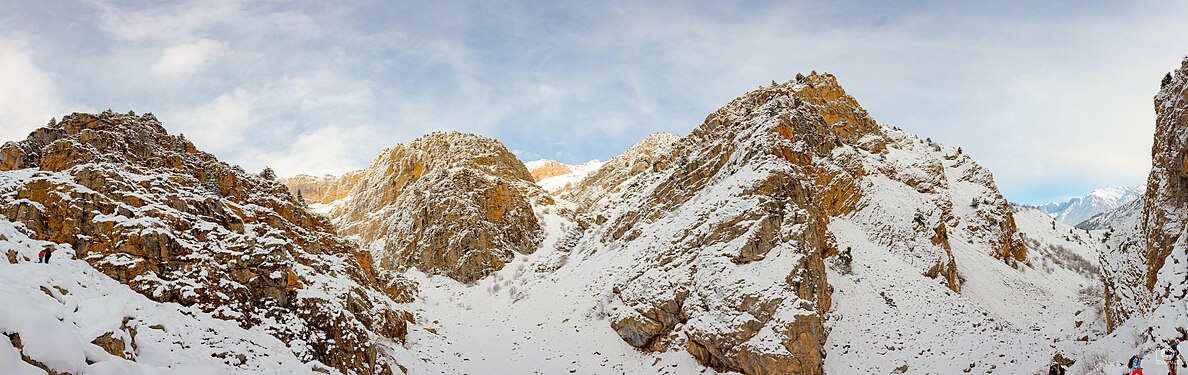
{"points": [[1076, 210]]}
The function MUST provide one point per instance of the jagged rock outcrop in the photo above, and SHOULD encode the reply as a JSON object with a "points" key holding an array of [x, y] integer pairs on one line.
{"points": [[325, 189], [175, 224], [1145, 263], [648, 155], [1165, 209], [754, 187], [725, 201], [447, 203]]}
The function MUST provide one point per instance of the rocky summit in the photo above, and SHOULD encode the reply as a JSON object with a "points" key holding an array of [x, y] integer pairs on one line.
{"points": [[756, 186], [447, 203]]}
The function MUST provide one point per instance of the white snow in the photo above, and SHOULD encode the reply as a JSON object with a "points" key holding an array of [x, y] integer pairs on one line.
{"points": [[58, 309], [556, 184], [530, 319]]}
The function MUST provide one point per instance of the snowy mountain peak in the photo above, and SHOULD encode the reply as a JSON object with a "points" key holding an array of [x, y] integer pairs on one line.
{"points": [[1077, 210], [447, 203], [649, 153], [784, 175]]}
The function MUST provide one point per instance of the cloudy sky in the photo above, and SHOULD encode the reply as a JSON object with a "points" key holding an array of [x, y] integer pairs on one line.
{"points": [[1054, 98]]}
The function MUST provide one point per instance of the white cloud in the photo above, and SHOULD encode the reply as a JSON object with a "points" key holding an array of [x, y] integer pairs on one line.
{"points": [[1043, 94], [28, 97], [332, 148], [220, 125], [188, 58]]}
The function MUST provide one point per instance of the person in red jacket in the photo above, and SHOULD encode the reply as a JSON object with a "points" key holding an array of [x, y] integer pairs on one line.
{"points": [[1136, 364], [44, 255]]}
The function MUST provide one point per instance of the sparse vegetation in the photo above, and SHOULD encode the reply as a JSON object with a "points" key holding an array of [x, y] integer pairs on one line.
{"points": [[1092, 364]]}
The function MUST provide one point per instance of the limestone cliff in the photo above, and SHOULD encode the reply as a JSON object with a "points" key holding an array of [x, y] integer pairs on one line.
{"points": [[325, 189], [542, 169], [1165, 209], [447, 203], [175, 224], [1146, 268]]}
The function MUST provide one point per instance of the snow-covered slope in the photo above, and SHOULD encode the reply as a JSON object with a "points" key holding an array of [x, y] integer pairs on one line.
{"points": [[1145, 250], [174, 224], [558, 184], [1076, 210], [649, 154], [889, 319], [924, 212], [68, 317], [714, 255]]}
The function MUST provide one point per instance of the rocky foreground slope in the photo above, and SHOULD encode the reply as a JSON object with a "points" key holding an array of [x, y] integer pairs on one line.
{"points": [[173, 223]]}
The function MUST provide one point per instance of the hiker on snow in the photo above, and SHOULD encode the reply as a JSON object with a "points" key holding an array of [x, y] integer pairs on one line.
{"points": [[44, 255], [1171, 355], [1136, 364]]}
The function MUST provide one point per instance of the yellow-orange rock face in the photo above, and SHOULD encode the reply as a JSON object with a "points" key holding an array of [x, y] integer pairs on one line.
{"points": [[325, 189], [447, 203], [549, 169]]}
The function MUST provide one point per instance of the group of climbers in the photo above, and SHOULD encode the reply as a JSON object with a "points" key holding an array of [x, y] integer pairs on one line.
{"points": [[44, 255], [1171, 357]]}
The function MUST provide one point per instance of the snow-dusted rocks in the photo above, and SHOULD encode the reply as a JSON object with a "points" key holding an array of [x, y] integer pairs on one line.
{"points": [[66, 317], [1165, 209], [176, 225], [544, 168], [1146, 260], [649, 154], [1144, 254], [447, 203], [559, 179], [323, 190], [730, 237], [731, 223], [1146, 264]]}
